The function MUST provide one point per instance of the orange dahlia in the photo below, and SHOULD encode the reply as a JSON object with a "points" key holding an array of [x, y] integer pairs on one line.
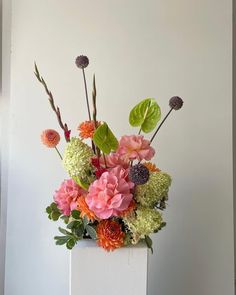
{"points": [[87, 129], [110, 235], [50, 138], [151, 167], [84, 209]]}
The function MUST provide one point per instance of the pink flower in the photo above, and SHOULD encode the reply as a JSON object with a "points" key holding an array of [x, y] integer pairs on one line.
{"points": [[110, 194], [67, 195], [114, 160], [135, 147]]}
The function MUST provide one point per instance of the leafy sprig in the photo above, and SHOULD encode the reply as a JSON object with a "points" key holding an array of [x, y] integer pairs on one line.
{"points": [[76, 230]]}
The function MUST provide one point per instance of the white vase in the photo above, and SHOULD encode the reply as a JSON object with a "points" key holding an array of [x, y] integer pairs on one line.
{"points": [[93, 271]]}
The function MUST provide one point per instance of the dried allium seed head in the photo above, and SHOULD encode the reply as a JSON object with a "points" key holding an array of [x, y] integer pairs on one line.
{"points": [[176, 103], [82, 61], [139, 174]]}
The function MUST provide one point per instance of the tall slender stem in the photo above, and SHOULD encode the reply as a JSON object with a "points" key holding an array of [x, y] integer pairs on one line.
{"points": [[161, 125], [86, 94], [105, 161], [58, 152], [94, 95]]}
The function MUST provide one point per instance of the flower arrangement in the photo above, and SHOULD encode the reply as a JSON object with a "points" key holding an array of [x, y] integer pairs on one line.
{"points": [[114, 194]]}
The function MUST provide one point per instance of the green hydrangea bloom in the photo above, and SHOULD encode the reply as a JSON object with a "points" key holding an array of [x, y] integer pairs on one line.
{"points": [[143, 223], [150, 193], [77, 160]]}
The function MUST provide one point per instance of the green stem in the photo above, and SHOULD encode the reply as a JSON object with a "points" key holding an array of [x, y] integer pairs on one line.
{"points": [[105, 161], [86, 94], [58, 153], [160, 125]]}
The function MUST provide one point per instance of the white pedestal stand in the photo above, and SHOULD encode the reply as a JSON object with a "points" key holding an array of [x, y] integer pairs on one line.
{"points": [[93, 271]]}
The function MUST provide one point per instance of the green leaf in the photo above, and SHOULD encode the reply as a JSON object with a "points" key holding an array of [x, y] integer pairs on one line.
{"points": [[146, 114], [163, 224], [61, 240], [81, 183], [85, 221], [65, 218], [91, 231], [54, 207], [64, 231], [104, 139], [148, 241], [74, 224], [79, 231], [55, 215], [48, 210], [75, 214], [70, 244]]}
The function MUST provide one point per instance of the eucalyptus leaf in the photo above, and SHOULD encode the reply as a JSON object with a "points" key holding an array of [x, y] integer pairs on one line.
{"points": [[104, 139], [91, 231], [145, 114]]}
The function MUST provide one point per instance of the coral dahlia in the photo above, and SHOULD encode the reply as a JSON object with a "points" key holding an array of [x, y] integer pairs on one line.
{"points": [[114, 160], [67, 196], [110, 235], [135, 147], [50, 138], [110, 194]]}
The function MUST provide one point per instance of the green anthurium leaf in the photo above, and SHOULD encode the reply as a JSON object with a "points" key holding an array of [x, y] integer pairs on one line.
{"points": [[148, 241], [81, 183], [91, 231], [104, 139], [145, 114]]}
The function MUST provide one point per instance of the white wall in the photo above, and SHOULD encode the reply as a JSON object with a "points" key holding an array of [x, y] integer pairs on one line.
{"points": [[137, 49], [4, 123]]}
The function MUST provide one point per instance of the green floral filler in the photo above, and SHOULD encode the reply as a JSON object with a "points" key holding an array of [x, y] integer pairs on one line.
{"points": [[150, 193], [143, 223], [77, 160]]}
